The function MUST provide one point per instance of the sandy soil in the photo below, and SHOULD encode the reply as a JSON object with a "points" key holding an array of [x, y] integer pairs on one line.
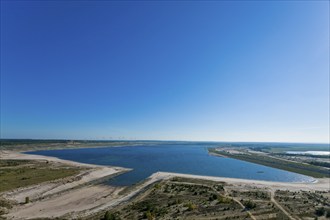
{"points": [[322, 184], [20, 156], [94, 172], [56, 198], [74, 198], [73, 203], [79, 202]]}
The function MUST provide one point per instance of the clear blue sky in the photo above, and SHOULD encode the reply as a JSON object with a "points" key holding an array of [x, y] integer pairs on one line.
{"points": [[215, 71]]}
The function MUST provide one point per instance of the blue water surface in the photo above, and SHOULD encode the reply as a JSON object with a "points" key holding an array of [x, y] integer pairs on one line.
{"points": [[188, 159]]}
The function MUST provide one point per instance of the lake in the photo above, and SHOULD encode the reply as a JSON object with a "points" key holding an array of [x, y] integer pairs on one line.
{"points": [[188, 159]]}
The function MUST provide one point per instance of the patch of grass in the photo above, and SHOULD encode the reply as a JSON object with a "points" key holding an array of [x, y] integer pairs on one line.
{"points": [[21, 173], [10, 163]]}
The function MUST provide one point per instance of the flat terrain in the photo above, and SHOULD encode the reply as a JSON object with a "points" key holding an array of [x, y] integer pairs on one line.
{"points": [[18, 173], [186, 198], [56, 197], [34, 145]]}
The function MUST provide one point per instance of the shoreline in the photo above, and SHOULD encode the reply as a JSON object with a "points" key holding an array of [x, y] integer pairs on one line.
{"points": [[320, 184], [20, 155], [74, 194], [82, 197]]}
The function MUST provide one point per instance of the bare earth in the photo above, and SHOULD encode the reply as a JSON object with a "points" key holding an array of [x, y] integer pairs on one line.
{"points": [[73, 197]]}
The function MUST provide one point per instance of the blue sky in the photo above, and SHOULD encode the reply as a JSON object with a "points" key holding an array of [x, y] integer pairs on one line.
{"points": [[213, 71]]}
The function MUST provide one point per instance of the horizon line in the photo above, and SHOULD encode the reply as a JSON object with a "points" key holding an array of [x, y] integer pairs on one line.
{"points": [[122, 140]]}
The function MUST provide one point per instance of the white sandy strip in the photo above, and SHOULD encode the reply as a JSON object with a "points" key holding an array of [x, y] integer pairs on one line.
{"points": [[94, 172], [322, 184], [21, 156], [78, 202], [72, 202]]}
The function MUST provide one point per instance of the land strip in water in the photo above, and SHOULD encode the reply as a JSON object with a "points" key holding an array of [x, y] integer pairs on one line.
{"points": [[269, 160]]}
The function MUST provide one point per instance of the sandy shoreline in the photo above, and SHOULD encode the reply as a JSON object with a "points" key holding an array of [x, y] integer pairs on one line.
{"points": [[322, 184], [76, 198], [21, 156], [59, 197]]}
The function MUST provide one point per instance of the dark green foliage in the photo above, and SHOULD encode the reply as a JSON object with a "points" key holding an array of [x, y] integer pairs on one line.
{"points": [[191, 206], [213, 197], [110, 216], [5, 203], [149, 215], [320, 211], [321, 164], [249, 204], [328, 214], [150, 209]]}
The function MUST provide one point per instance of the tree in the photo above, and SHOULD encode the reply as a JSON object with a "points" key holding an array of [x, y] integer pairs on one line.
{"points": [[149, 215], [320, 211], [110, 216], [249, 204]]}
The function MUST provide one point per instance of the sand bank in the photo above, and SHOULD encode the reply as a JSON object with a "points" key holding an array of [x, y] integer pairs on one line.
{"points": [[322, 184]]}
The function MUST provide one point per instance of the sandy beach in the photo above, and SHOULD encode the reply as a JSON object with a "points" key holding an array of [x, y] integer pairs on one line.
{"points": [[74, 197]]}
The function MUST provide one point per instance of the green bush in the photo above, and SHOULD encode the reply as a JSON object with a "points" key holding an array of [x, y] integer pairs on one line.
{"points": [[249, 204], [191, 206], [149, 215], [320, 211], [110, 216]]}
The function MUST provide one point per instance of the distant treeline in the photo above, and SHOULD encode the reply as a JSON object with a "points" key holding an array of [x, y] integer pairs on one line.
{"points": [[319, 163], [30, 141], [304, 155]]}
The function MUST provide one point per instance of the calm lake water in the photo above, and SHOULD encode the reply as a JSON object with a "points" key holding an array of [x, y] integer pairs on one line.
{"points": [[188, 159]]}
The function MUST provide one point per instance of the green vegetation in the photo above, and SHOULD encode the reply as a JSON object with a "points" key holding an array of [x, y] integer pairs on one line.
{"points": [[328, 214], [184, 198], [222, 199], [21, 173], [249, 204], [302, 168], [320, 211], [191, 206], [110, 216], [320, 164], [180, 198], [5, 203], [284, 147], [32, 145], [35, 144], [304, 204]]}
